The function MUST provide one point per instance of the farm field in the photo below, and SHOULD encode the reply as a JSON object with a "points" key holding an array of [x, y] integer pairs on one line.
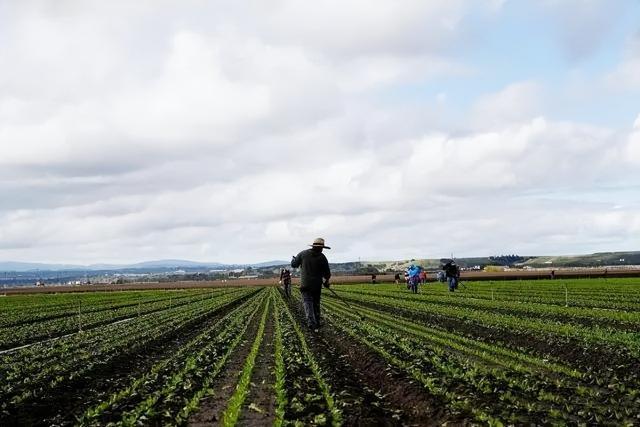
{"points": [[496, 353]]}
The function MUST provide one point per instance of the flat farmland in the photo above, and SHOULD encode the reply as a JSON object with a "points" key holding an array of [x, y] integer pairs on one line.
{"points": [[492, 353]]}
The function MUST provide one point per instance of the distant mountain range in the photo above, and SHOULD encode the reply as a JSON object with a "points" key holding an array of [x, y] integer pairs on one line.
{"points": [[158, 264], [591, 260]]}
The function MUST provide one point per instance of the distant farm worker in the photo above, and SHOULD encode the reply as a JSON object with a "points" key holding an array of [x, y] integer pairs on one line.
{"points": [[423, 277], [373, 279], [414, 277], [397, 278], [452, 273], [314, 275], [285, 281], [553, 274]]}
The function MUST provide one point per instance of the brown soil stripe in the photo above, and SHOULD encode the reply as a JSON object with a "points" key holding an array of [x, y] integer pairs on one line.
{"points": [[369, 391], [563, 349], [260, 405], [212, 407]]}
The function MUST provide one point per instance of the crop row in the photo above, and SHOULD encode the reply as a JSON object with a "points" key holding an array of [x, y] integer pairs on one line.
{"points": [[620, 341], [590, 293], [173, 386], [14, 336], [617, 319], [303, 394], [482, 381], [18, 314], [33, 372], [170, 391]]}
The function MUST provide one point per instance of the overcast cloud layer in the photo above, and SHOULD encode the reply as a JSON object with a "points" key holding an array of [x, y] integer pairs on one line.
{"points": [[239, 131]]}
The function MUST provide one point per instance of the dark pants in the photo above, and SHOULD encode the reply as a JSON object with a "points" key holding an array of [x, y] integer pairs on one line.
{"points": [[453, 283], [413, 284], [311, 304], [287, 288]]}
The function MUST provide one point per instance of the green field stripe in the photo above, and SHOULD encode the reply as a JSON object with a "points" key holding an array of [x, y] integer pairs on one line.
{"points": [[96, 411], [83, 321], [232, 412], [53, 352], [336, 415], [429, 383], [566, 314], [477, 378], [281, 395], [488, 352], [629, 341], [132, 336], [147, 407], [572, 397]]}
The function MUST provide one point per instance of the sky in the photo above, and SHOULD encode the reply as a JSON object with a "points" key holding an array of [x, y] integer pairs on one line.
{"points": [[240, 131]]}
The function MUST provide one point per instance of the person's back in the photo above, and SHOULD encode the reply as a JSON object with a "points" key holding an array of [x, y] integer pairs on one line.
{"points": [[315, 273], [452, 272], [414, 277], [314, 268], [285, 279]]}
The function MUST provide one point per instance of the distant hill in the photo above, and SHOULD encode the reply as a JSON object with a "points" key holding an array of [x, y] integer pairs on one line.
{"points": [[270, 264], [173, 263], [590, 260], [143, 266], [33, 266], [159, 264]]}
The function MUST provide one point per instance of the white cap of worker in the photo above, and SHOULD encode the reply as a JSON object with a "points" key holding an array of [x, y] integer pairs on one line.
{"points": [[319, 243]]}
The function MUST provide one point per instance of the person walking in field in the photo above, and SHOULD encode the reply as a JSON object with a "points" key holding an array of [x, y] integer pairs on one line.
{"points": [[397, 278], [452, 273], [285, 281], [414, 277], [315, 274]]}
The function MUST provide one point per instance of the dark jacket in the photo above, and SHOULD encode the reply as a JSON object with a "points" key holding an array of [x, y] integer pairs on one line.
{"points": [[451, 270], [285, 276], [315, 268]]}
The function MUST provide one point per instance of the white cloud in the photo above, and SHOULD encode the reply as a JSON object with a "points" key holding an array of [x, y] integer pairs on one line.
{"points": [[363, 27], [632, 151], [234, 135], [516, 102], [626, 75]]}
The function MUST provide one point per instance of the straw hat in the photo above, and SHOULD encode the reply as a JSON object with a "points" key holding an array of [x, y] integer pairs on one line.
{"points": [[319, 243]]}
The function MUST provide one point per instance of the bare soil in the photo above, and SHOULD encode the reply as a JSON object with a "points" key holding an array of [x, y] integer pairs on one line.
{"points": [[260, 405], [213, 406]]}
